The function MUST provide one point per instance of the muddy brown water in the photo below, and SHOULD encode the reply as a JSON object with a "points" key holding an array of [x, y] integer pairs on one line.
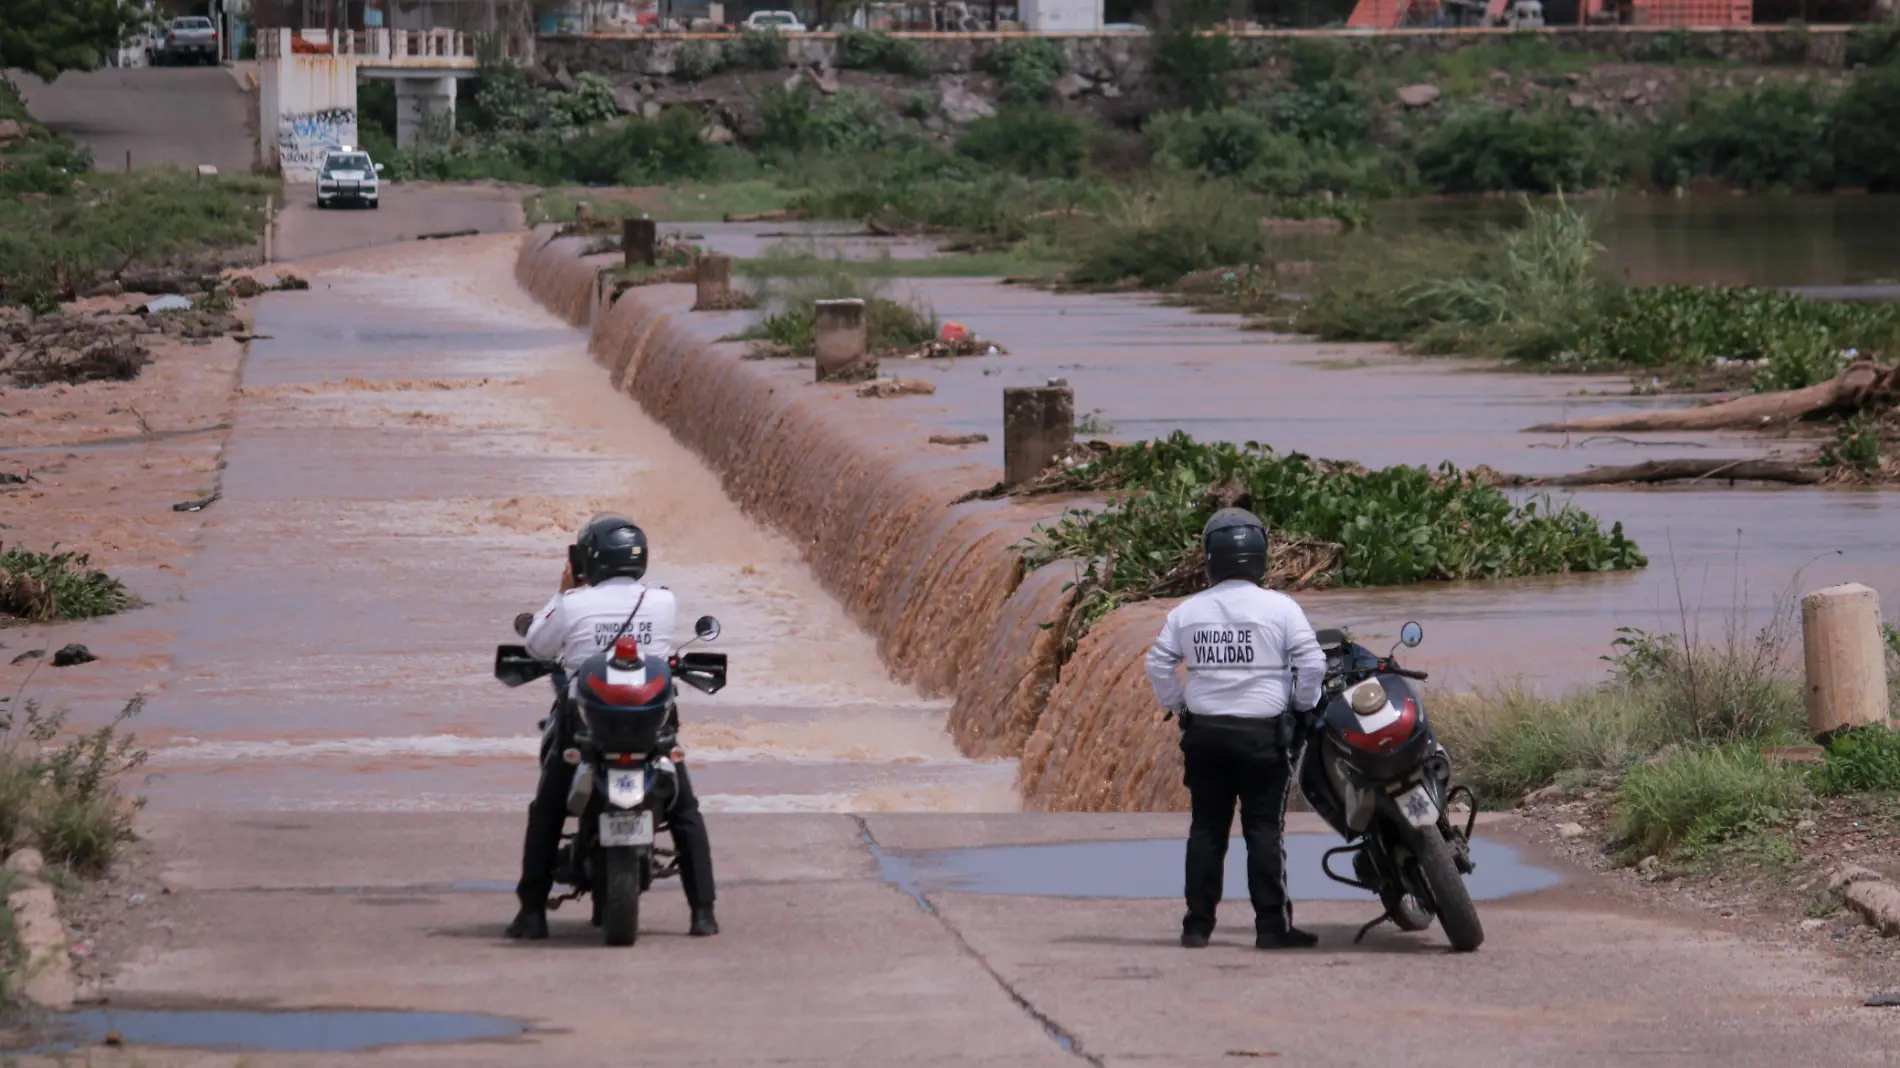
{"points": [[855, 477]]}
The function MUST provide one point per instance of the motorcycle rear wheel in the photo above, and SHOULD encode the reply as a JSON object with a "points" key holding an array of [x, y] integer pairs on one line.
{"points": [[1456, 914], [620, 896]]}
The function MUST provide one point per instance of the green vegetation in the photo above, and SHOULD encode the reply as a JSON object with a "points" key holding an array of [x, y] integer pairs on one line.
{"points": [[1389, 527], [1035, 142], [48, 37], [1539, 294], [42, 587], [866, 50], [58, 788], [1480, 148], [1677, 737], [1021, 261], [1029, 67], [65, 227], [789, 330]]}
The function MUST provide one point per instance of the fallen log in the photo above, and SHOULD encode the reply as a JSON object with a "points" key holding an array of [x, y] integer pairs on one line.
{"points": [[1656, 471], [1861, 385], [782, 215]]}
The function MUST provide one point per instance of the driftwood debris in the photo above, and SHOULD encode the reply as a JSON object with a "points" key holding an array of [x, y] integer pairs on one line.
{"points": [[786, 215], [1692, 470], [1862, 385]]}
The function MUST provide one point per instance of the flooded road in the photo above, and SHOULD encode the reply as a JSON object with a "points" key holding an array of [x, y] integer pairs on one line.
{"points": [[414, 445], [1723, 560]]}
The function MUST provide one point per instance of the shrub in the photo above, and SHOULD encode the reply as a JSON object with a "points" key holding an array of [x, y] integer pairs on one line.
{"points": [[1861, 759], [505, 98], [1029, 67], [871, 50], [795, 120], [698, 60], [41, 587], [1772, 136], [756, 50], [636, 152], [590, 101], [1800, 338], [1226, 143], [1872, 44], [1866, 152], [1313, 61], [1159, 235], [1336, 112], [1701, 798], [1037, 142], [62, 798], [1482, 148], [1192, 68]]}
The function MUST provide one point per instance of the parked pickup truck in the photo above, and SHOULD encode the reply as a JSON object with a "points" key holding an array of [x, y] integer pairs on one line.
{"points": [[189, 39]]}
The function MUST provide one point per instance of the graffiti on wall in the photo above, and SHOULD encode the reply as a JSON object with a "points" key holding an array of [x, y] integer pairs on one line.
{"points": [[304, 137]]}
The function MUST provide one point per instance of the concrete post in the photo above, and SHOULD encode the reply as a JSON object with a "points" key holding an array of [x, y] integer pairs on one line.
{"points": [[1846, 659], [637, 240], [425, 110], [841, 343], [712, 277], [1038, 427]]}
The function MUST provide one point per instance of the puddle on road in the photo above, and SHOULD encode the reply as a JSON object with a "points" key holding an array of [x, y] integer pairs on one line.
{"points": [[294, 1031], [1152, 868]]}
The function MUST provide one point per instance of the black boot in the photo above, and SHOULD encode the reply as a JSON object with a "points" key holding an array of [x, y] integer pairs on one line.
{"points": [[1291, 938], [1193, 939], [704, 926], [531, 924]]}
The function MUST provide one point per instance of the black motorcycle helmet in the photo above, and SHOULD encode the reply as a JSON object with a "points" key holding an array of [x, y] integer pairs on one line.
{"points": [[609, 546], [1235, 542]]}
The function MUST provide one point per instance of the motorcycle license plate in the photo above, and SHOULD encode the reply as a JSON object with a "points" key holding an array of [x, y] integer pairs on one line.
{"points": [[1418, 806], [626, 828]]}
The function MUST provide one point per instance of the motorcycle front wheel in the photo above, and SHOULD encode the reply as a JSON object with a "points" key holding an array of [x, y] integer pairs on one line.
{"points": [[620, 896], [1456, 914]]}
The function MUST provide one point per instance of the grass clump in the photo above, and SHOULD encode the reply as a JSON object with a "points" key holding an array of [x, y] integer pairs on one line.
{"points": [[790, 329], [1863, 759], [756, 50], [1157, 236], [1034, 142], [61, 796], [1695, 801], [1357, 527], [43, 587]]}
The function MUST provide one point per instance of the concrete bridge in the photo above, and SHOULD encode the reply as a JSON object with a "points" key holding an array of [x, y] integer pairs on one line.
{"points": [[307, 85]]}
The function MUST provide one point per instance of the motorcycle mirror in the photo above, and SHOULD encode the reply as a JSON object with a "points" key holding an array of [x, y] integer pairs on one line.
{"points": [[523, 622], [706, 628], [1411, 634]]}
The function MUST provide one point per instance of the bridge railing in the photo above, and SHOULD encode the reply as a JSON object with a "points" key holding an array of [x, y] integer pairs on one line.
{"points": [[435, 47]]}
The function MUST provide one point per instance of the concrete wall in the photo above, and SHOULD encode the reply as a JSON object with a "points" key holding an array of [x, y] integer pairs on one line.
{"points": [[306, 106]]}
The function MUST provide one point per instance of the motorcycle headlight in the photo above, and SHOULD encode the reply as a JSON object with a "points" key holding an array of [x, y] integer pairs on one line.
{"points": [[1368, 698]]}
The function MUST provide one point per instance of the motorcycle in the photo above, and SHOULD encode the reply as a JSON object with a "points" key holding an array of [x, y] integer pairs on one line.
{"points": [[1375, 772], [625, 754]]}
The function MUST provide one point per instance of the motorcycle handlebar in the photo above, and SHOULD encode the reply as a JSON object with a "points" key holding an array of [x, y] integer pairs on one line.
{"points": [[1408, 673]]}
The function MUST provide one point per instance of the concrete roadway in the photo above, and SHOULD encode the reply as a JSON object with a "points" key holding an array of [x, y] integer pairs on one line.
{"points": [[823, 962]]}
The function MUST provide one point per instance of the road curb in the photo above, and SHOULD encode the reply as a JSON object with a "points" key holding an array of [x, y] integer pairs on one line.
{"points": [[1867, 893], [46, 979]]}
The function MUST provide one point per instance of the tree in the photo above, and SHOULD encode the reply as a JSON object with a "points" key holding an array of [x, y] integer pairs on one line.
{"points": [[49, 37]]}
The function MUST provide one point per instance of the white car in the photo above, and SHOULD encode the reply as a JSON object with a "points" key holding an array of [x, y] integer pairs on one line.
{"points": [[779, 21], [348, 177]]}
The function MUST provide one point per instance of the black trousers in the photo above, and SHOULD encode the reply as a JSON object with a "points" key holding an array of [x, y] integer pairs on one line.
{"points": [[1231, 760], [547, 815]]}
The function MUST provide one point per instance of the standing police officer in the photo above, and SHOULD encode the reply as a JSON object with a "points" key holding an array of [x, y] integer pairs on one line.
{"points": [[1253, 667]]}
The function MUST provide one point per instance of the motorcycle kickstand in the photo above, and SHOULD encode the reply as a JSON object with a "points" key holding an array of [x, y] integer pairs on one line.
{"points": [[1367, 929], [554, 903]]}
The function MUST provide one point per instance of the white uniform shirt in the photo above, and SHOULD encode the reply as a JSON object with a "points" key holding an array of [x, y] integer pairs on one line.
{"points": [[581, 622], [1240, 643]]}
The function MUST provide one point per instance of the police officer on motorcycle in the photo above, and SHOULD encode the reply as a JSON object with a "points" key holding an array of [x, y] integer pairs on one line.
{"points": [[1253, 669], [602, 599]]}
